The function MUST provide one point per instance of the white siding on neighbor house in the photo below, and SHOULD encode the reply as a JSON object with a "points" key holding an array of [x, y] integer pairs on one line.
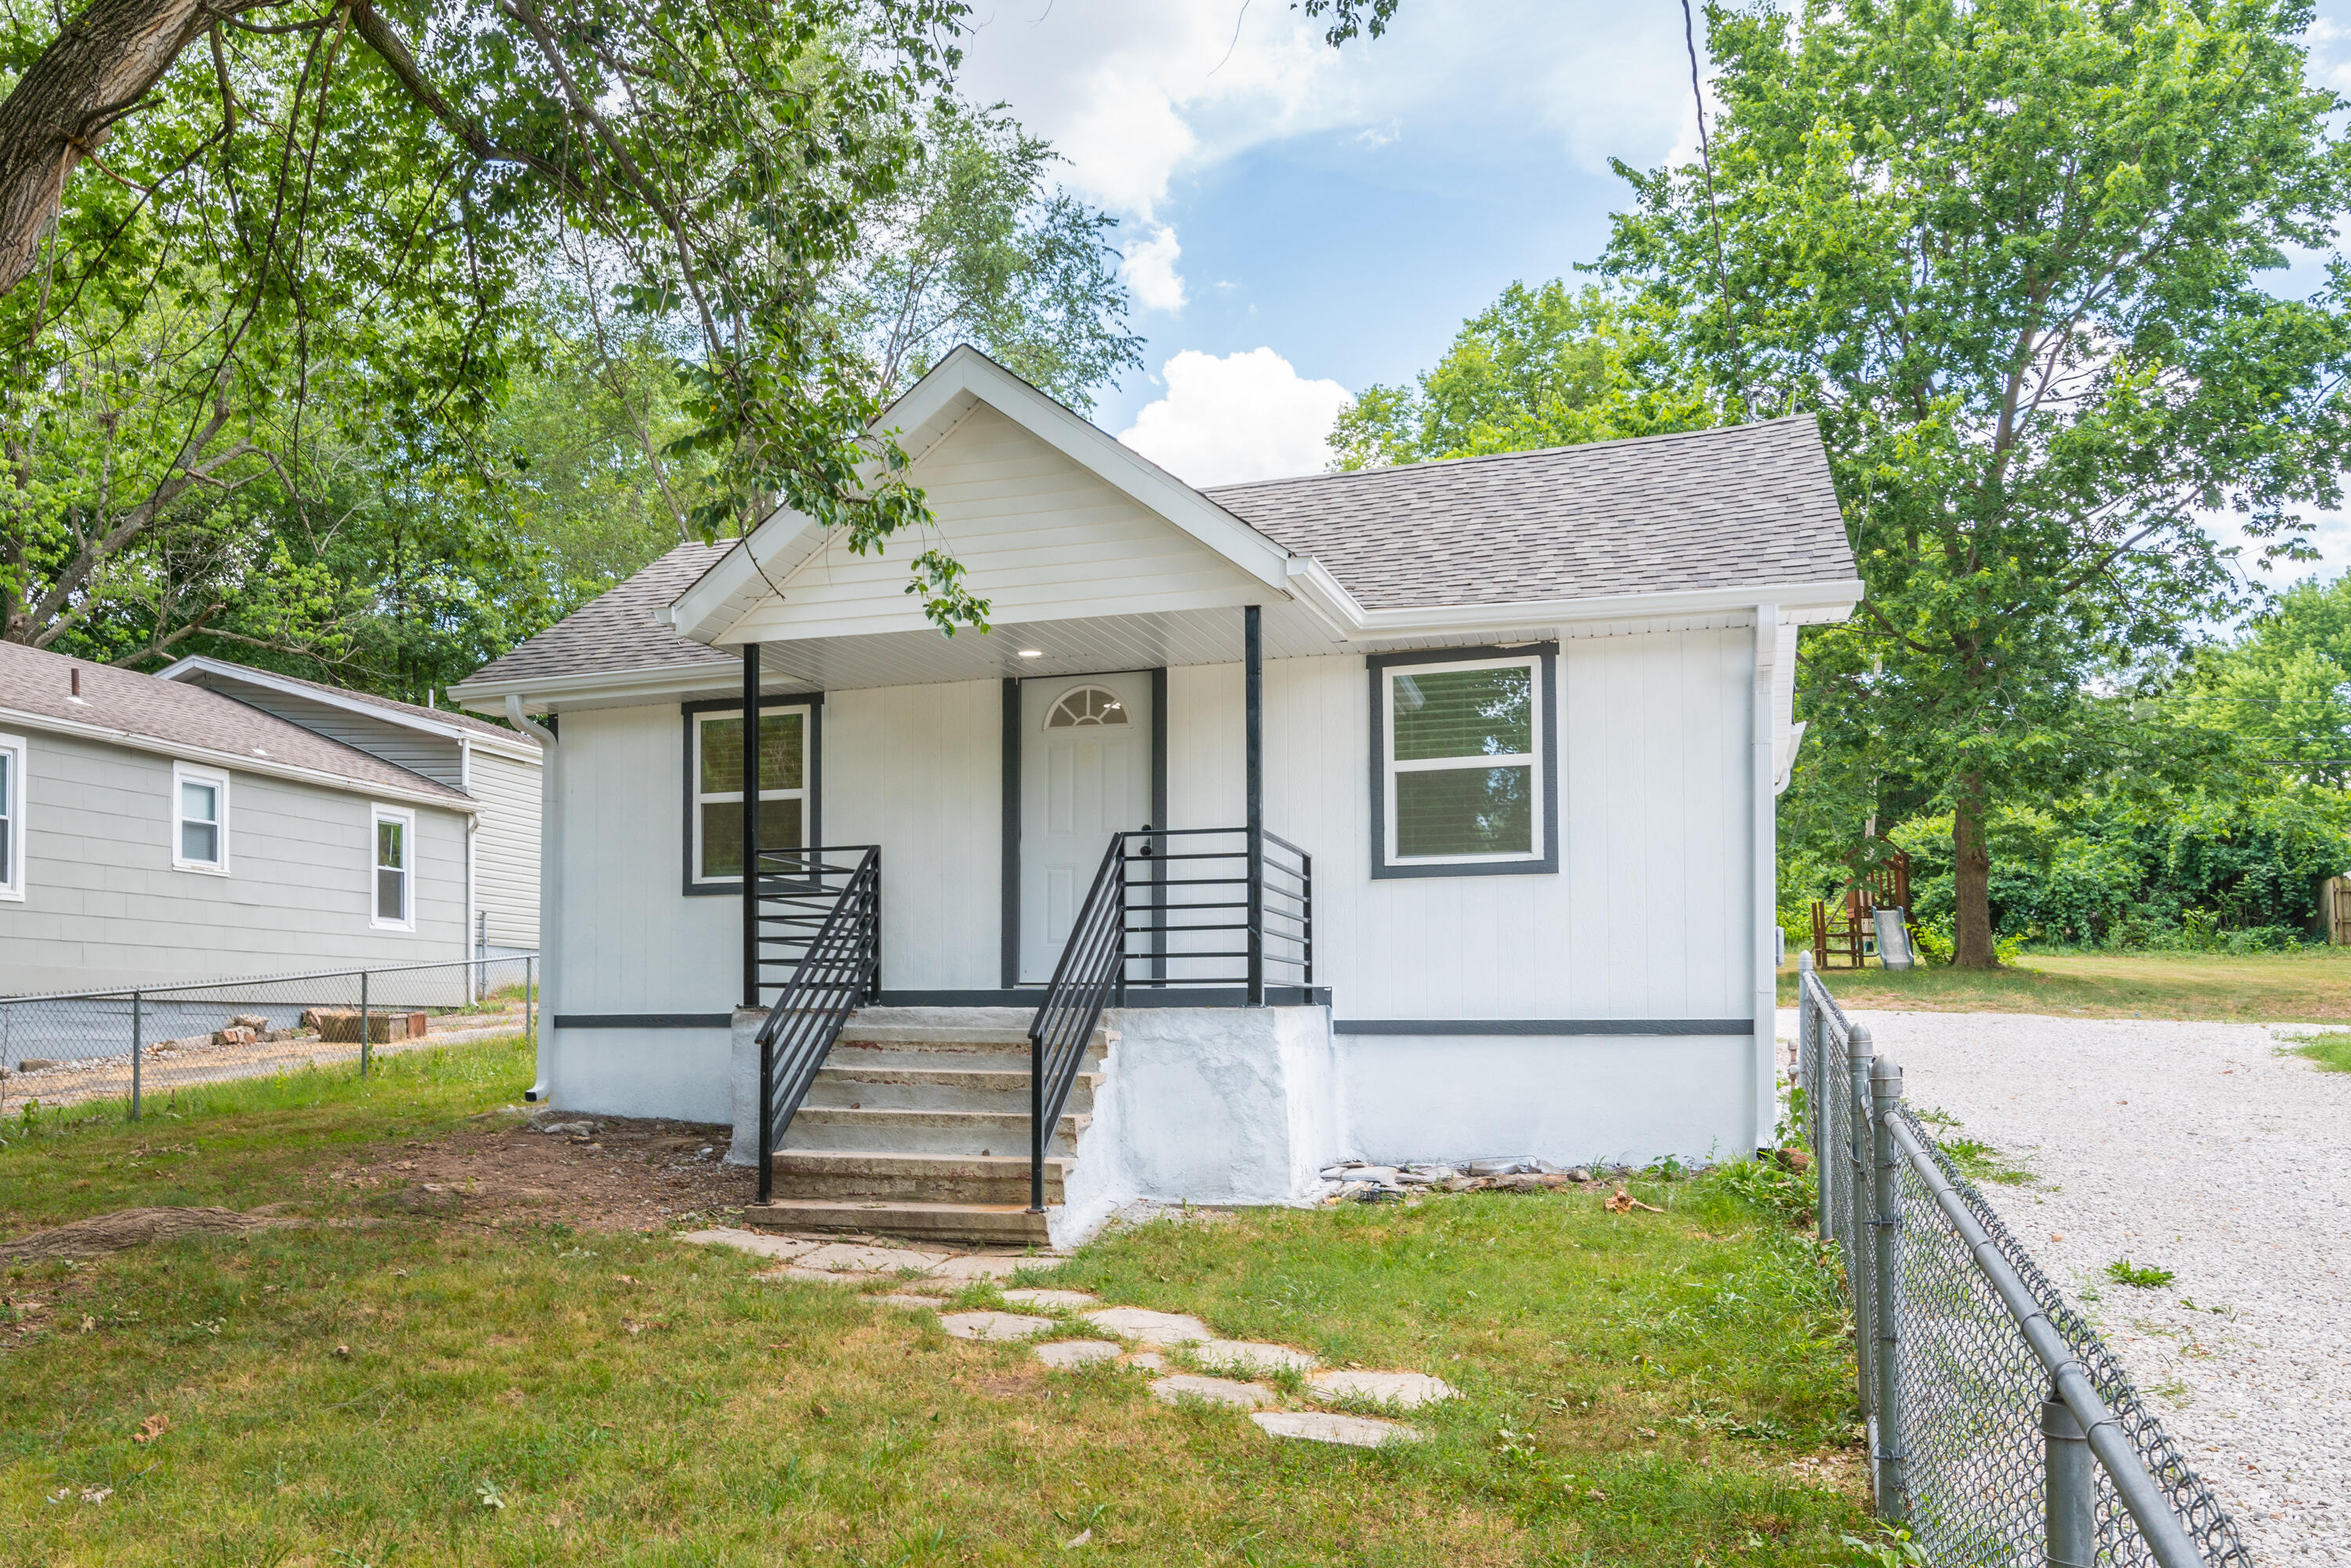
{"points": [[1048, 538], [104, 907], [433, 756], [507, 847]]}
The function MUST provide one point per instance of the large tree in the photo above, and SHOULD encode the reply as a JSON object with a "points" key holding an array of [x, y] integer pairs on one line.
{"points": [[2009, 252]]}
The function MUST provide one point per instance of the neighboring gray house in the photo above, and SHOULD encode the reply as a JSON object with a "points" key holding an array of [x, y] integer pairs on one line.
{"points": [[153, 830], [496, 766]]}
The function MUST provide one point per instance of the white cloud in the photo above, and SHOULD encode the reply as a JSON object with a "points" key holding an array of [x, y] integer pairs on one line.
{"points": [[1138, 93], [1150, 274], [1244, 416]]}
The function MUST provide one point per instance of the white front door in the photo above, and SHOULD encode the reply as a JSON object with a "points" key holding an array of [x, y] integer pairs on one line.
{"points": [[1085, 774]]}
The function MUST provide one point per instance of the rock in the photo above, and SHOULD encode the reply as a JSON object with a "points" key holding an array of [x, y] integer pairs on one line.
{"points": [[1147, 1327], [34, 1063], [1404, 1390], [1518, 1183], [1064, 1354], [254, 1021], [1384, 1175], [1340, 1171], [993, 1325], [234, 1035], [1580, 1174], [1501, 1167], [567, 1129], [1321, 1427], [1213, 1390], [1052, 1300], [1250, 1355]]}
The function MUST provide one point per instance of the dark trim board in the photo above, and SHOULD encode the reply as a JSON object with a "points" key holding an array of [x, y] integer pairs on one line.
{"points": [[1650, 1027], [813, 766], [1137, 996], [1010, 946], [642, 1021], [1377, 665]]}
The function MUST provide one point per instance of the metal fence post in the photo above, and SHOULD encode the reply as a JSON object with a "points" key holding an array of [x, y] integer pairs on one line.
{"points": [[1885, 1204], [365, 1033], [1808, 1076], [138, 1049], [2072, 1486]]}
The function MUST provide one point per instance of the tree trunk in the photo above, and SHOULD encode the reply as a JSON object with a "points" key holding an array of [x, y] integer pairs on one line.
{"points": [[1972, 946], [63, 107]]}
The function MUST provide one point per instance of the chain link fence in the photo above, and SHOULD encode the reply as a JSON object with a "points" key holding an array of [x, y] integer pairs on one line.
{"points": [[135, 1042], [2001, 1431]]}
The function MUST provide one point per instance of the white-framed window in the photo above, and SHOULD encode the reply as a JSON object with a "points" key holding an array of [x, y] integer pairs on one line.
{"points": [[715, 789], [13, 756], [199, 820], [1463, 763], [391, 878]]}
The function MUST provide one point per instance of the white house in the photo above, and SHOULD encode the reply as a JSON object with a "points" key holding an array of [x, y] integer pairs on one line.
{"points": [[497, 769], [153, 831], [1459, 779]]}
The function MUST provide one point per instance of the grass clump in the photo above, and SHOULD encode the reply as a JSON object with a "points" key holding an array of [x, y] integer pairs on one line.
{"points": [[2331, 1051]]}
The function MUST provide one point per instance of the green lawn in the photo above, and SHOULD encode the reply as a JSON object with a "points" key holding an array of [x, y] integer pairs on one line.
{"points": [[2310, 986], [1650, 1388]]}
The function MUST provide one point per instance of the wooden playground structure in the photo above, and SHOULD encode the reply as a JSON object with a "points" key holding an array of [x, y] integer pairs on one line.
{"points": [[1846, 934]]}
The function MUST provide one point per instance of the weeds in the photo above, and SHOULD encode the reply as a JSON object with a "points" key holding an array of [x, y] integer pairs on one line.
{"points": [[2123, 1271]]}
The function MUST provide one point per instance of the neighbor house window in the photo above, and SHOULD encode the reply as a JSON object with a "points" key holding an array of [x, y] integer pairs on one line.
{"points": [[1464, 764], [200, 818], [392, 890], [12, 816], [715, 773]]}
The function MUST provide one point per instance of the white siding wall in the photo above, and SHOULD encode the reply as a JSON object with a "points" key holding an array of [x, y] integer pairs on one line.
{"points": [[104, 907], [506, 848]]}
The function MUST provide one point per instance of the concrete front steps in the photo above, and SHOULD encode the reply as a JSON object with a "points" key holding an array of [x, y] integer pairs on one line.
{"points": [[920, 1128]]}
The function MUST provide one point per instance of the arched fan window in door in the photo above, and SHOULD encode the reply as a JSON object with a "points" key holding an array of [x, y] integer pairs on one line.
{"points": [[1086, 706]]}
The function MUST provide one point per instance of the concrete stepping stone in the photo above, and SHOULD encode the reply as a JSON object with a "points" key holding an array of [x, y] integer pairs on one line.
{"points": [[1146, 1361], [845, 1255], [979, 1266], [1250, 1355], [757, 1242], [1052, 1300], [1404, 1390], [858, 1277], [1067, 1353], [1151, 1328], [914, 1304], [1214, 1390], [1322, 1426], [992, 1326]]}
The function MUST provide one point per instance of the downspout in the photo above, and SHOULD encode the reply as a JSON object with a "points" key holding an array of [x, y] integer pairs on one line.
{"points": [[473, 826], [550, 891], [1764, 775]]}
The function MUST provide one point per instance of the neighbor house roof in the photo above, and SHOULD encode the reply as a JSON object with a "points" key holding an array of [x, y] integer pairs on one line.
{"points": [[156, 715], [1656, 514], [616, 631], [204, 670]]}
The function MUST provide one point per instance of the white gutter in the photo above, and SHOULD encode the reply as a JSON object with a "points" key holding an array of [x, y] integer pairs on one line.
{"points": [[550, 891], [242, 761]]}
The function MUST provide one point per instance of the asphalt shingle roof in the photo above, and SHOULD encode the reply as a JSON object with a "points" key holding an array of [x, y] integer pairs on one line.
{"points": [[617, 629], [1708, 508], [38, 684]]}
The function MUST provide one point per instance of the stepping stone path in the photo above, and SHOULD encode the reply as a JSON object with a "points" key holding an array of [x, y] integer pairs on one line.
{"points": [[1322, 1426], [916, 1304], [992, 1326], [1250, 1355], [1052, 1300], [1404, 1390], [1151, 1328], [1065, 1353], [859, 1263], [1214, 1390]]}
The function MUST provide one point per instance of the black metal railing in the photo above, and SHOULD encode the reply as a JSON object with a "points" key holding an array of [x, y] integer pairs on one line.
{"points": [[1206, 908], [824, 918]]}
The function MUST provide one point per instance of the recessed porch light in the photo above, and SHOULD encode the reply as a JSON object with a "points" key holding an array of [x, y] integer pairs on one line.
{"points": [[1032, 653]]}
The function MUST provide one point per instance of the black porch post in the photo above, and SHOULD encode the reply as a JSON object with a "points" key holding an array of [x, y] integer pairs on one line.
{"points": [[1253, 702], [750, 824]]}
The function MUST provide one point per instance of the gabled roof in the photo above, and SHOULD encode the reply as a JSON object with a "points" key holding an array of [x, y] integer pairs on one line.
{"points": [[172, 716], [1656, 514], [218, 673]]}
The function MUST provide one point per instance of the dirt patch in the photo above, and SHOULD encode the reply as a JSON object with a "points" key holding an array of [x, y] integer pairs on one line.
{"points": [[130, 1227], [619, 1174]]}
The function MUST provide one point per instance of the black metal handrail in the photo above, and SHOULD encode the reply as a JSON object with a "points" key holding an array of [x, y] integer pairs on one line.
{"points": [[839, 966], [1136, 903]]}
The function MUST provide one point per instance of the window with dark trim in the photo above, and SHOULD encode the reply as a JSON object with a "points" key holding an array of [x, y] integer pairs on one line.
{"points": [[1464, 762], [714, 788]]}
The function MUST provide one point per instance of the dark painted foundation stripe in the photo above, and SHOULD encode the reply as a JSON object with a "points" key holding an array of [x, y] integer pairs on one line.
{"points": [[644, 1020], [1543, 1026]]}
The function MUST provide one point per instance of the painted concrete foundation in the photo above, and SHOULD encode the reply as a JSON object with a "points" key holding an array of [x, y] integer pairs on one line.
{"points": [[680, 1073]]}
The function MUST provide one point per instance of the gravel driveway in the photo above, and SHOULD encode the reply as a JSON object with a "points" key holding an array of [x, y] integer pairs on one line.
{"points": [[2198, 1148]]}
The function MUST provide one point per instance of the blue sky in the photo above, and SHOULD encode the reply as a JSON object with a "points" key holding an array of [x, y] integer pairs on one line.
{"points": [[1299, 222]]}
